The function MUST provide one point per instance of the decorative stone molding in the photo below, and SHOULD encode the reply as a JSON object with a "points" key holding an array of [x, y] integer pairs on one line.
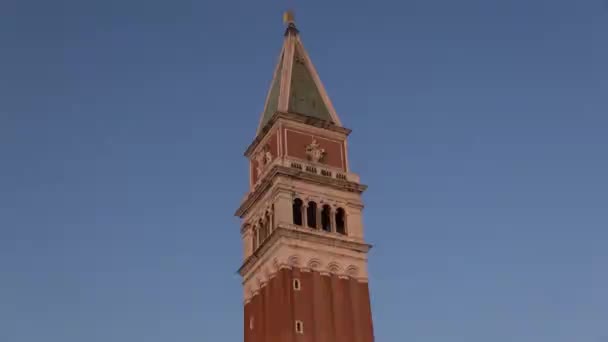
{"points": [[352, 271], [314, 264], [267, 272], [253, 286], [284, 250], [334, 268], [276, 266], [305, 236], [293, 261]]}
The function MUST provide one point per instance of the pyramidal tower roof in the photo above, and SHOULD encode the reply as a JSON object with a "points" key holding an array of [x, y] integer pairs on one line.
{"points": [[296, 86]]}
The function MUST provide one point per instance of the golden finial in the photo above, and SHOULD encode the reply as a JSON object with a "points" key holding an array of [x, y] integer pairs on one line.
{"points": [[289, 18]]}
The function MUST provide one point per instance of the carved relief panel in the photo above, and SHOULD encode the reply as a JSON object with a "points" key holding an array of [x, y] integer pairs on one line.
{"points": [[263, 159], [314, 148], [264, 155]]}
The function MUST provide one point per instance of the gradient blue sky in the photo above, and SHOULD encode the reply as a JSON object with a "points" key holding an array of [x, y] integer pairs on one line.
{"points": [[480, 126]]}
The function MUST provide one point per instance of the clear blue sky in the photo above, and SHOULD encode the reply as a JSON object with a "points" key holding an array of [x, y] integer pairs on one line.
{"points": [[480, 126]]}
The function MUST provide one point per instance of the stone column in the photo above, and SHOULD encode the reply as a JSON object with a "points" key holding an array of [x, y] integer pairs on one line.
{"points": [[254, 238], [283, 208], [354, 226], [271, 218], [259, 234], [332, 219], [319, 211], [247, 242], [346, 228]]}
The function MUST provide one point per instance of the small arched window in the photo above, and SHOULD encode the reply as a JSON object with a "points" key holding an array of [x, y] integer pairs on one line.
{"points": [[311, 214], [297, 211], [326, 218], [340, 221]]}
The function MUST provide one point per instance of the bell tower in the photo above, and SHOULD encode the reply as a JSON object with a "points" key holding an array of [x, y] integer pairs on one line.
{"points": [[305, 258]]}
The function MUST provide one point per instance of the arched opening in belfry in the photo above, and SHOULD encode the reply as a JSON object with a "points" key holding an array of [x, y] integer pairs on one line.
{"points": [[340, 221], [311, 214], [297, 211], [326, 218]]}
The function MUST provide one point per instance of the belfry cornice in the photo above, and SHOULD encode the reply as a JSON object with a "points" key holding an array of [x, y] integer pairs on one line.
{"points": [[300, 235], [278, 170]]}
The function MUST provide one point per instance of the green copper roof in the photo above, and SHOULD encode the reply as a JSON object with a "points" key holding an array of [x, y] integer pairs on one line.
{"points": [[304, 97], [273, 97]]}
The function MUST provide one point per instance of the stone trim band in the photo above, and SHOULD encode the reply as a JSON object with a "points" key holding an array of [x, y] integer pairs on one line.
{"points": [[252, 287]]}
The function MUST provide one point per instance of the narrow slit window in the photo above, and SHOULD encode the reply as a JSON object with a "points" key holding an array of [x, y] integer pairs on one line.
{"points": [[299, 327], [297, 285]]}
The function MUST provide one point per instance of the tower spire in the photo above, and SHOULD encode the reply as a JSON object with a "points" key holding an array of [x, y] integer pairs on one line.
{"points": [[296, 87]]}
